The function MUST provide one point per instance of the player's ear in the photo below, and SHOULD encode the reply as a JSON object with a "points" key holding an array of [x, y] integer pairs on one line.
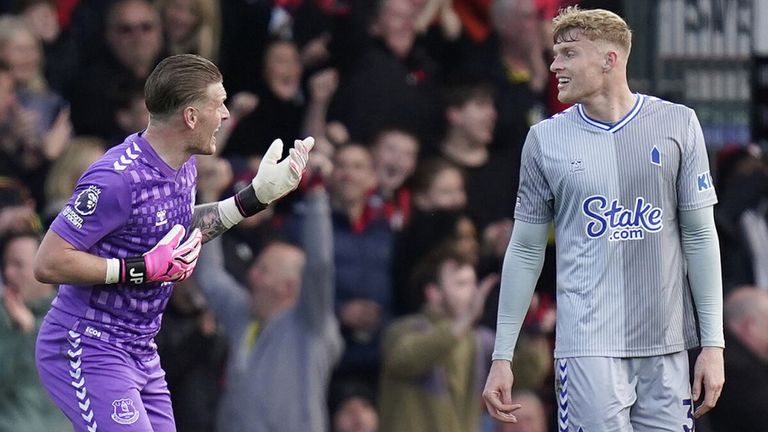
{"points": [[190, 116], [610, 60]]}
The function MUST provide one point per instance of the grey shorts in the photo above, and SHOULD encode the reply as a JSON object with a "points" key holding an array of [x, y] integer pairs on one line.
{"points": [[601, 394]]}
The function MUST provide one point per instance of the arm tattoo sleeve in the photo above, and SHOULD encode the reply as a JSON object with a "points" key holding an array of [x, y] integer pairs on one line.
{"points": [[206, 217]]}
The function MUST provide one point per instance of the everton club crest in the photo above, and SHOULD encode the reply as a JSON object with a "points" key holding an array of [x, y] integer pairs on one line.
{"points": [[124, 413]]}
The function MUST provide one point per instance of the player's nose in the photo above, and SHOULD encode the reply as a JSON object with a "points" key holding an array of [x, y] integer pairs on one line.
{"points": [[556, 64]]}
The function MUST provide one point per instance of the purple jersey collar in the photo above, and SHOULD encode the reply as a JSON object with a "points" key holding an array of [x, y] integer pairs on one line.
{"points": [[150, 153]]}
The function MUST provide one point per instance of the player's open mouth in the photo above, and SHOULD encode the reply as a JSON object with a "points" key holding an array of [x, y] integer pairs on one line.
{"points": [[562, 81]]}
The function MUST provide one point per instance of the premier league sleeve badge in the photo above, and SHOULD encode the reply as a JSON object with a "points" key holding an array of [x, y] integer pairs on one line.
{"points": [[86, 201]]}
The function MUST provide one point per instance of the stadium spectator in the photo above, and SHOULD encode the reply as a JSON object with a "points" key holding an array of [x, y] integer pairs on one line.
{"points": [[61, 54], [191, 26], [362, 253], [471, 117], [41, 117], [426, 232], [322, 86], [283, 107], [433, 362], [24, 404], [248, 26], [134, 45], [354, 410], [395, 154], [438, 185], [283, 332], [405, 93], [439, 30], [512, 59], [21, 50]]}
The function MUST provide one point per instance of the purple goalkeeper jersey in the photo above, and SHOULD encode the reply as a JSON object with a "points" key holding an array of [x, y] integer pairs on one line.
{"points": [[122, 206]]}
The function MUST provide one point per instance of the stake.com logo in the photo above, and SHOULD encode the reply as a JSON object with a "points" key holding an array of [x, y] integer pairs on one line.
{"points": [[621, 223]]}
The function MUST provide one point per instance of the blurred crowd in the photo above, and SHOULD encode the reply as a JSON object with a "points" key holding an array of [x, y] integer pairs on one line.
{"points": [[420, 109]]}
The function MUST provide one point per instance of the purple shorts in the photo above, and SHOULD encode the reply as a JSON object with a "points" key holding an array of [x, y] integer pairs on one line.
{"points": [[101, 387]]}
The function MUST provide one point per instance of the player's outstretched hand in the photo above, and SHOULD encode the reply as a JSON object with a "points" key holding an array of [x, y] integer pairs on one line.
{"points": [[498, 392], [709, 373], [276, 178], [170, 260]]}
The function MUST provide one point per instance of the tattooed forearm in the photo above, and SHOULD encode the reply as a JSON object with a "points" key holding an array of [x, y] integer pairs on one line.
{"points": [[206, 217]]}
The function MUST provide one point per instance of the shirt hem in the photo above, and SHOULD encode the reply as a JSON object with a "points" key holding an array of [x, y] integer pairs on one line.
{"points": [[626, 353]]}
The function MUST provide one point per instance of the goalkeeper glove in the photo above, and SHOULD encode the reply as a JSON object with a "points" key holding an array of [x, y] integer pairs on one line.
{"points": [[273, 181], [168, 261]]}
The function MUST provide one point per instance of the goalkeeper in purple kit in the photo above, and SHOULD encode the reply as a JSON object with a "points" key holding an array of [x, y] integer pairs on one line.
{"points": [[130, 230]]}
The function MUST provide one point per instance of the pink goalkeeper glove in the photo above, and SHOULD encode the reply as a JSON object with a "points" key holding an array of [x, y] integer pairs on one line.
{"points": [[168, 261]]}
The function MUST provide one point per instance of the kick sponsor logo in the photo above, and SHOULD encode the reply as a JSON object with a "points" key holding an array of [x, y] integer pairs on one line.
{"points": [[704, 181], [618, 222]]}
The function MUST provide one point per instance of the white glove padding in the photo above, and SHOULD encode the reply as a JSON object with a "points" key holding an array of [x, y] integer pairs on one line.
{"points": [[274, 180]]}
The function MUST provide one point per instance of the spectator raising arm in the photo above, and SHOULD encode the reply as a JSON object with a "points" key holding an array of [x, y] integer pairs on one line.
{"points": [[315, 302]]}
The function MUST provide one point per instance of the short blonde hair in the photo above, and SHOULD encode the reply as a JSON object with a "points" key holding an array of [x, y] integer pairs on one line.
{"points": [[594, 24]]}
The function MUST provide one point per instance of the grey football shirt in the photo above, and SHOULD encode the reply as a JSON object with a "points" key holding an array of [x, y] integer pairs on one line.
{"points": [[122, 206], [613, 193]]}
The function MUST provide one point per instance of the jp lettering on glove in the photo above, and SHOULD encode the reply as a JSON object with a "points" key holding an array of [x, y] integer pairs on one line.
{"points": [[169, 260], [274, 180]]}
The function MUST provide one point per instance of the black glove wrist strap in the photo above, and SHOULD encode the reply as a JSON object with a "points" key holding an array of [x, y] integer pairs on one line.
{"points": [[133, 270], [247, 203]]}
